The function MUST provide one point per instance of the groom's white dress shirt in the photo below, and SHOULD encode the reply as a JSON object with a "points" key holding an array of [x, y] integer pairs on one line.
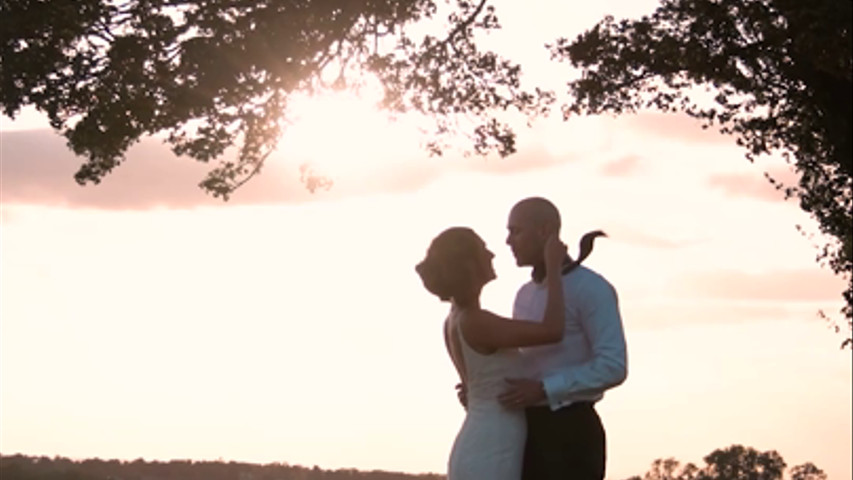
{"points": [[592, 356]]}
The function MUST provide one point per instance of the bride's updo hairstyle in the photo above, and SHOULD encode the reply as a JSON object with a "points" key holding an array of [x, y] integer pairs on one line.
{"points": [[446, 270]]}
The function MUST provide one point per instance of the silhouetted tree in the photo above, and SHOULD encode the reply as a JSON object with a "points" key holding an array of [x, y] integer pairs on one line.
{"points": [[807, 471], [669, 469], [215, 73], [732, 463], [742, 463], [776, 74]]}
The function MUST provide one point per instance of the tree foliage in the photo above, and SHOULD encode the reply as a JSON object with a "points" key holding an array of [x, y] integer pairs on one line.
{"points": [[807, 471], [732, 463], [22, 467], [776, 74], [742, 463], [217, 73], [669, 469]]}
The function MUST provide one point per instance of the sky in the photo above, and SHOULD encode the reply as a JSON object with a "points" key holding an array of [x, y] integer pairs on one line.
{"points": [[141, 318]]}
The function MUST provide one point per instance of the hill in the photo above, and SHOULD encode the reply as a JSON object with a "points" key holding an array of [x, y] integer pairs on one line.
{"points": [[22, 467]]}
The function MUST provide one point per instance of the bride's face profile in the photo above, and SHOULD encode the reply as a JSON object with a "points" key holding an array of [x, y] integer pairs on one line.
{"points": [[458, 264], [483, 263]]}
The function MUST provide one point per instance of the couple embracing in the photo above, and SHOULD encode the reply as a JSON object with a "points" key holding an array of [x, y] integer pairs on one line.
{"points": [[529, 383]]}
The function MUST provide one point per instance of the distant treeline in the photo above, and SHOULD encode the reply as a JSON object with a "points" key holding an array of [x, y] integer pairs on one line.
{"points": [[22, 467]]}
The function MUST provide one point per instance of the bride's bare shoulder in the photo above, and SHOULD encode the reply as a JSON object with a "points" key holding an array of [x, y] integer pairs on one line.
{"points": [[486, 315]]}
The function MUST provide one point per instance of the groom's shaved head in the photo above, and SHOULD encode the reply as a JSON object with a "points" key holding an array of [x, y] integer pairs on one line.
{"points": [[530, 223], [538, 211]]}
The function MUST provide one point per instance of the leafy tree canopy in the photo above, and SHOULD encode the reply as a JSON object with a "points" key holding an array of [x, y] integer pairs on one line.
{"points": [[776, 74], [217, 73]]}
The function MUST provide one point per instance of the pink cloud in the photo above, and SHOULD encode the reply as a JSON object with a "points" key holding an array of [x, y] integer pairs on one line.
{"points": [[643, 239], [622, 167], [672, 314], [801, 285], [677, 127], [526, 160], [38, 168], [735, 297], [753, 185]]}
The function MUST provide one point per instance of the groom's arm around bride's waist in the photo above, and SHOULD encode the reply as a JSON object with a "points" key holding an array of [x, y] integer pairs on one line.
{"points": [[591, 358]]}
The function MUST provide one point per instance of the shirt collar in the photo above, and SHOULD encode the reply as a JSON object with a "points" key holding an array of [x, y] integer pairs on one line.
{"points": [[569, 264], [538, 272]]}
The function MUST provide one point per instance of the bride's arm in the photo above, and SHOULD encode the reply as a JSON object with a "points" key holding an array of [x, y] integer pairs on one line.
{"points": [[487, 330]]}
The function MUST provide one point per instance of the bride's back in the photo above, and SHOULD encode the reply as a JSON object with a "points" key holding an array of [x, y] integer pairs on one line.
{"points": [[490, 443], [484, 374]]}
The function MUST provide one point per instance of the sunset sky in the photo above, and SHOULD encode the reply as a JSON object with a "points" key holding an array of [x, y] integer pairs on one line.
{"points": [[143, 318]]}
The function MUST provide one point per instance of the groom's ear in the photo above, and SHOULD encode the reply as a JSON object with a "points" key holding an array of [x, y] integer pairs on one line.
{"points": [[547, 229]]}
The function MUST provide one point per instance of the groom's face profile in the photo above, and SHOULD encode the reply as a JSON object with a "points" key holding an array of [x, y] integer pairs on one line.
{"points": [[525, 236]]}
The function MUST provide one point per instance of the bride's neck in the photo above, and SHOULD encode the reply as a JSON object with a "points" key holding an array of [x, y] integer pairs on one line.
{"points": [[472, 303]]}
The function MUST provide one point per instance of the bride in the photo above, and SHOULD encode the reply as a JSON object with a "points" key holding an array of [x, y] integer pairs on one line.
{"points": [[481, 344]]}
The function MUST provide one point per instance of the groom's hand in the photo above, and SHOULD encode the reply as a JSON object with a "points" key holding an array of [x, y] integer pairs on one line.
{"points": [[462, 394], [522, 393]]}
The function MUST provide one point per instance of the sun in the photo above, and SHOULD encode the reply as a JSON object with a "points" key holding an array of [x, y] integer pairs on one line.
{"points": [[343, 135]]}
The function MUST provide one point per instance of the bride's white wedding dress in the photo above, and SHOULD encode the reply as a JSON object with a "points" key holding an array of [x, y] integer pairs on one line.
{"points": [[490, 444]]}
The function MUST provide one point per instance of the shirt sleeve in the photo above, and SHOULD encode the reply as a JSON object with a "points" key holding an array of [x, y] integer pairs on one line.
{"points": [[602, 324]]}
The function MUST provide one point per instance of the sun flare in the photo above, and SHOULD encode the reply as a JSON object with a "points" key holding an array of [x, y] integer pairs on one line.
{"points": [[342, 135]]}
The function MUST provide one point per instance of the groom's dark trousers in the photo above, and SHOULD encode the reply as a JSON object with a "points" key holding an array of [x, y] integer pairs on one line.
{"points": [[566, 444]]}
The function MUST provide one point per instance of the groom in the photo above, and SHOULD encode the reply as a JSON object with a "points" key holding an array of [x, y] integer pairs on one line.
{"points": [[565, 437]]}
